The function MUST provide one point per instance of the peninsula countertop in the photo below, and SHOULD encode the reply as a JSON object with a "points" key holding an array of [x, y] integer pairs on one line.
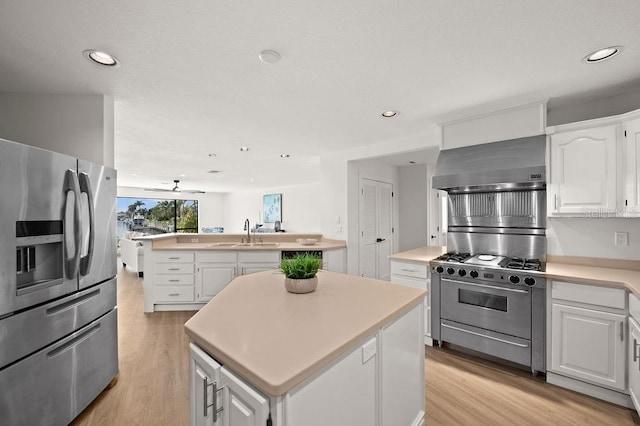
{"points": [[276, 339], [598, 271], [260, 241]]}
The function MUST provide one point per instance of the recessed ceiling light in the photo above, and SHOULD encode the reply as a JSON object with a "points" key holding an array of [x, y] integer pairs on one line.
{"points": [[602, 54], [183, 175], [269, 56], [213, 154], [389, 114], [244, 149], [284, 155], [101, 58]]}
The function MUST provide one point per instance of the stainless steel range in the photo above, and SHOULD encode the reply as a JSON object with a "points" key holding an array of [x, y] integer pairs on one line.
{"points": [[488, 291]]}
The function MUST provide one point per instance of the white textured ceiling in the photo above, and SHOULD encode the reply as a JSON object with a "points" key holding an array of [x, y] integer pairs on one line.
{"points": [[191, 82]]}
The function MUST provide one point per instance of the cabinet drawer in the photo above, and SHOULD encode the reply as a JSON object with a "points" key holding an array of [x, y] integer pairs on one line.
{"points": [[169, 279], [218, 257], [591, 294], [414, 270], [171, 294], [259, 257], [174, 268], [175, 257]]}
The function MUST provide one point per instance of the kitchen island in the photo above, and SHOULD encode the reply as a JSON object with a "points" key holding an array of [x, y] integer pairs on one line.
{"points": [[350, 352], [184, 271]]}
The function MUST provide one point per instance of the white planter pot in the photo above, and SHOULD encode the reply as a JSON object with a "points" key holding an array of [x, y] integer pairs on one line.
{"points": [[301, 286]]}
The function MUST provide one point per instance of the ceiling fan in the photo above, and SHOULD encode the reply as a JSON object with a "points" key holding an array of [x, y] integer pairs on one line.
{"points": [[176, 189]]}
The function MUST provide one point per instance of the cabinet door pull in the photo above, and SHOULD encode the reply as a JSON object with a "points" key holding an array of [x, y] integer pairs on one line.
{"points": [[635, 350], [206, 405], [555, 196], [174, 294], [174, 269], [622, 331]]}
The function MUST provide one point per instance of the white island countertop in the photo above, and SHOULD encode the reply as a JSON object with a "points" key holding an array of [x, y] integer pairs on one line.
{"points": [[276, 340]]}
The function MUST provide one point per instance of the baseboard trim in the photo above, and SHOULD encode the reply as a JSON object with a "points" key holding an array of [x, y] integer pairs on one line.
{"points": [[428, 341], [185, 307], [595, 391]]}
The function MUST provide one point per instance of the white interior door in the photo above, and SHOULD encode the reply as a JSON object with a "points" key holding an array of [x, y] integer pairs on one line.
{"points": [[376, 228]]}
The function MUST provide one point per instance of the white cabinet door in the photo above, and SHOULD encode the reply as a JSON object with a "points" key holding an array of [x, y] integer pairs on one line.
{"points": [[632, 168], [242, 406], [335, 260], [205, 374], [583, 171], [213, 278], [634, 363], [588, 345]]}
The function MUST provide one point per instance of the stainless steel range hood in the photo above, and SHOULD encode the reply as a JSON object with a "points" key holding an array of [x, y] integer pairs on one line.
{"points": [[507, 165]]}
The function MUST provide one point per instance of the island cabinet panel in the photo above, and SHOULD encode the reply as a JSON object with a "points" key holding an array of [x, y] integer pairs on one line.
{"points": [[346, 390], [402, 368]]}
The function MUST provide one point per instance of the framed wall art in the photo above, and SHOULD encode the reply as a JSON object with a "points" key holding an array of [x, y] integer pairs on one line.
{"points": [[272, 208]]}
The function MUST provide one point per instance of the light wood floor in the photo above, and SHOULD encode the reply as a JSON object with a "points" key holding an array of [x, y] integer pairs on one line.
{"points": [[153, 383]]}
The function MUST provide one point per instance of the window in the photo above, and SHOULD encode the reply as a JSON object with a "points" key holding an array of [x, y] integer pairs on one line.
{"points": [[156, 216]]}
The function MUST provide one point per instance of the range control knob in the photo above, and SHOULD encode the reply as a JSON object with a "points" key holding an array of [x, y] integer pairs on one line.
{"points": [[530, 281], [462, 272], [474, 274], [514, 279], [439, 269], [450, 271]]}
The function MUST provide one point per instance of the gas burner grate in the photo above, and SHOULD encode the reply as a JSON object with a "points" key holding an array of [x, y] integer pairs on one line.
{"points": [[454, 257], [524, 264]]}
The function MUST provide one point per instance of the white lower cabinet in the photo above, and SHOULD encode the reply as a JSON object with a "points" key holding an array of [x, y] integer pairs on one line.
{"points": [[380, 381], [415, 275], [634, 363], [589, 345]]}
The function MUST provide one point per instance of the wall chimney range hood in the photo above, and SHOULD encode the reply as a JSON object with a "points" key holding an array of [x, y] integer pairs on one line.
{"points": [[499, 166]]}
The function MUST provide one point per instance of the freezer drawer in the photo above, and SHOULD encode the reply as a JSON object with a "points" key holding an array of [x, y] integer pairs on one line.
{"points": [[55, 384], [31, 330]]}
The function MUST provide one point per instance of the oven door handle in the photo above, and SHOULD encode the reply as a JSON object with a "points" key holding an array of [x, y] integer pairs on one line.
{"points": [[513, 290], [520, 345]]}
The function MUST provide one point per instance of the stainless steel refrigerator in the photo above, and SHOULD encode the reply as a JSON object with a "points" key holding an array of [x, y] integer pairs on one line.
{"points": [[58, 317]]}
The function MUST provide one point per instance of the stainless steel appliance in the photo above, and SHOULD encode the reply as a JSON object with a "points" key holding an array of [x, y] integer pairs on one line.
{"points": [[58, 320], [488, 292]]}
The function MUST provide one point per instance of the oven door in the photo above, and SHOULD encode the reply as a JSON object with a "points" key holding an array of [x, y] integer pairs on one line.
{"points": [[488, 306]]}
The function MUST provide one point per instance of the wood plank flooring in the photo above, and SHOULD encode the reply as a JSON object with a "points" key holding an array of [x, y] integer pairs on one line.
{"points": [[153, 383]]}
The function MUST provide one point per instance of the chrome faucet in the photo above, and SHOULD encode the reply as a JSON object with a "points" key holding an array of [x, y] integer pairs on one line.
{"points": [[247, 228]]}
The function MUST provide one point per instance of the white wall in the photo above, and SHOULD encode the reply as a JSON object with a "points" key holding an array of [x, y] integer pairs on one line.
{"points": [[301, 208], [590, 237], [210, 204], [77, 125], [412, 194]]}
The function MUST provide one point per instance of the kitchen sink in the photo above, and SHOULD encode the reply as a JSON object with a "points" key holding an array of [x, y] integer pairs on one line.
{"points": [[222, 244], [257, 245]]}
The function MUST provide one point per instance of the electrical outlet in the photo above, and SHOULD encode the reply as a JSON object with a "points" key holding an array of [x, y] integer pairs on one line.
{"points": [[369, 350], [622, 238]]}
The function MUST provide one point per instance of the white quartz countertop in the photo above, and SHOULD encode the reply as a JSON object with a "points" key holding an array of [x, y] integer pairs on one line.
{"points": [[276, 340], [235, 242]]}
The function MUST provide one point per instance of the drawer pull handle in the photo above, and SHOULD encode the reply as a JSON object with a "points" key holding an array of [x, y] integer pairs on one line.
{"points": [[174, 281], [174, 258], [174, 294], [485, 336], [408, 270], [174, 269]]}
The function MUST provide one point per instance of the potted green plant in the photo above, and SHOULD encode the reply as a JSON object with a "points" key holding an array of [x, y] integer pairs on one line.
{"points": [[300, 272]]}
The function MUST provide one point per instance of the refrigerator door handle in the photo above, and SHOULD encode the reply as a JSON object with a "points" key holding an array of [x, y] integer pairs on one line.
{"points": [[85, 187], [71, 185]]}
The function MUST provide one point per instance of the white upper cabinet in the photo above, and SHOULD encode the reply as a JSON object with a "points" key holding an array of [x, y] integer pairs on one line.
{"points": [[632, 172], [583, 171], [593, 167]]}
